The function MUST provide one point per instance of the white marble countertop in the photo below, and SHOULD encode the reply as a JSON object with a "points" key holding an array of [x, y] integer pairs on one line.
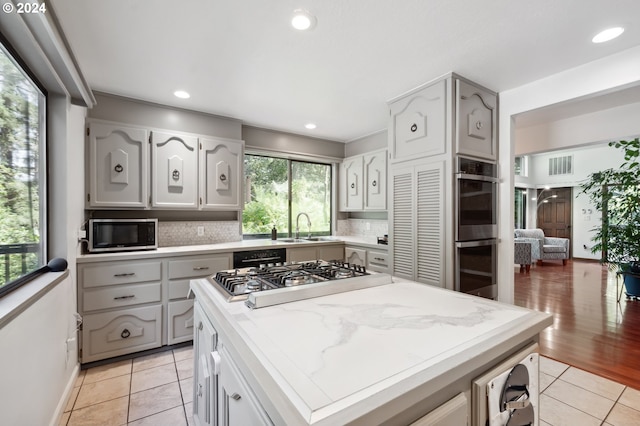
{"points": [[223, 248], [336, 357]]}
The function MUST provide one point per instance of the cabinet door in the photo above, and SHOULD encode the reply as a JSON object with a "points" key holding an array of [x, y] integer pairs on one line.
{"points": [[375, 172], [221, 175], [174, 162], [205, 383], [402, 234], [430, 224], [118, 166], [331, 252], [237, 403], [451, 413], [355, 256], [301, 254], [180, 321], [121, 332], [351, 184], [418, 123], [476, 121]]}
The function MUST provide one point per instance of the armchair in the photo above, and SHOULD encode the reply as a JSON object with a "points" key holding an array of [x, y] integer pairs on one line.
{"points": [[544, 248]]}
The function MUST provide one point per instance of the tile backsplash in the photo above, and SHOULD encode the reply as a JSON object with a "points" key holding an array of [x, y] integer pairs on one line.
{"points": [[171, 234], [359, 227]]}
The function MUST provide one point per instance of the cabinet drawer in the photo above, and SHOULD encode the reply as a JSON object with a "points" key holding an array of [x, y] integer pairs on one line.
{"points": [[180, 315], [121, 332], [198, 267], [178, 289], [378, 258], [121, 295], [119, 273]]}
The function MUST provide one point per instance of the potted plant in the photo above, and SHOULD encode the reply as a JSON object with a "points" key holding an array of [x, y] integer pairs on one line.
{"points": [[616, 193]]}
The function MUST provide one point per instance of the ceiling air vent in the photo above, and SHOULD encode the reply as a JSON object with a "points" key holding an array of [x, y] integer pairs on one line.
{"points": [[561, 165]]}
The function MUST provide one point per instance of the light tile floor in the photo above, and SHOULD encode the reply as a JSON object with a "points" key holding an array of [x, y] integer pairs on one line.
{"points": [[157, 390]]}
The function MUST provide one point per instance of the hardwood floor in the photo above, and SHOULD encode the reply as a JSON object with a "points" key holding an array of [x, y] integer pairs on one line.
{"points": [[591, 331]]}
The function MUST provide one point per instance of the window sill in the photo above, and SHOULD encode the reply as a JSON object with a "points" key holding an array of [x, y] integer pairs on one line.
{"points": [[14, 303]]}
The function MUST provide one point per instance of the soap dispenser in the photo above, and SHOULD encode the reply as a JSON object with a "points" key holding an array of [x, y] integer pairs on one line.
{"points": [[274, 233]]}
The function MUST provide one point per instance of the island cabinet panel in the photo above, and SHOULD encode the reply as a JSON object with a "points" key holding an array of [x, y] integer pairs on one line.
{"points": [[205, 383], [237, 404], [174, 163], [418, 125], [451, 413], [220, 174], [117, 166], [476, 117]]}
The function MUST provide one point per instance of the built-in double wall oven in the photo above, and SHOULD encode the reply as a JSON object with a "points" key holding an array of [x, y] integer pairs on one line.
{"points": [[476, 227]]}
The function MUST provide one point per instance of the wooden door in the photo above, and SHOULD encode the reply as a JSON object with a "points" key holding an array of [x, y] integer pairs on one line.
{"points": [[554, 215]]}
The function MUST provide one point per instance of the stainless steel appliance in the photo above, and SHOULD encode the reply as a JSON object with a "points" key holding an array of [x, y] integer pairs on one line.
{"points": [[108, 235], [476, 271], [476, 200], [250, 258], [267, 285]]}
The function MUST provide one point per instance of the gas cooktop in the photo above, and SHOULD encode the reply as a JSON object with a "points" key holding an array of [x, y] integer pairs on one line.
{"points": [[237, 284]]}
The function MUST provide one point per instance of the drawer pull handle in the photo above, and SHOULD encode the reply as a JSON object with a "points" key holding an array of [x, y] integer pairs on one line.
{"points": [[130, 296], [235, 396], [125, 333], [378, 258], [126, 274], [200, 268]]}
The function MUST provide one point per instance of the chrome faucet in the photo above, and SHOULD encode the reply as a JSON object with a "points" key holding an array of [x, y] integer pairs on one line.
{"points": [[298, 225]]}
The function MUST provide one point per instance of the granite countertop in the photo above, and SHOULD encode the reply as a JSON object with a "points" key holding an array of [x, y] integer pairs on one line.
{"points": [[337, 356], [204, 249]]}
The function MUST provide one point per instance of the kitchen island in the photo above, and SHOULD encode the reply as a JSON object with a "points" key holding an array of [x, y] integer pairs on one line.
{"points": [[390, 353]]}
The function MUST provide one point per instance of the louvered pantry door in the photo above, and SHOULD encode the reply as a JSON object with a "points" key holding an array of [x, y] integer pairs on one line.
{"points": [[402, 234], [430, 224]]}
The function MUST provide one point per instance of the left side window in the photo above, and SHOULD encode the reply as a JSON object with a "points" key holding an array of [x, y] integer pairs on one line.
{"points": [[22, 172]]}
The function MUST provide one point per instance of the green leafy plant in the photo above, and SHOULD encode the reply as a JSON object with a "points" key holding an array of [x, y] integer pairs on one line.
{"points": [[616, 193]]}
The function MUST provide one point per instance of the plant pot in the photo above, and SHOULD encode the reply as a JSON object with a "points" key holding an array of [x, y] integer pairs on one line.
{"points": [[631, 277]]}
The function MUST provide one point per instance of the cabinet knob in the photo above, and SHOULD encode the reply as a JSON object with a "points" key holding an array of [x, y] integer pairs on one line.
{"points": [[125, 333], [414, 127], [353, 185], [200, 326], [199, 390], [175, 174], [235, 396], [478, 125], [223, 177], [374, 183], [118, 168]]}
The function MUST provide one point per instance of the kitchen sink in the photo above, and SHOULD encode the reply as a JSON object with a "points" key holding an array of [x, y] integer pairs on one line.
{"points": [[294, 240], [322, 239]]}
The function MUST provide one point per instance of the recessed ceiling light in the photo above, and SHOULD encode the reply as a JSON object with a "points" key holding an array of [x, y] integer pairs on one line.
{"points": [[302, 20], [182, 94], [310, 126], [608, 34]]}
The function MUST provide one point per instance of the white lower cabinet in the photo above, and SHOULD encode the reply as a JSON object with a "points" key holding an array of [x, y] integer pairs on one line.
{"points": [[121, 332], [205, 382], [237, 404], [355, 256], [373, 260], [321, 252], [180, 321]]}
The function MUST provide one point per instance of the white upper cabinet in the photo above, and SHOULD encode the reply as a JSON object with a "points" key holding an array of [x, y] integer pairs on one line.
{"points": [[375, 173], [363, 182], [220, 174], [418, 123], [174, 162], [117, 166], [476, 115], [351, 184]]}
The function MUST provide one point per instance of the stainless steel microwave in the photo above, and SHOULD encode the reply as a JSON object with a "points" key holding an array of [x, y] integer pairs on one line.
{"points": [[106, 235]]}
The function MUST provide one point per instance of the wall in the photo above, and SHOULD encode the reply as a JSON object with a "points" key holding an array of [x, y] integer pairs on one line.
{"points": [[606, 125], [614, 71], [373, 142], [259, 139]]}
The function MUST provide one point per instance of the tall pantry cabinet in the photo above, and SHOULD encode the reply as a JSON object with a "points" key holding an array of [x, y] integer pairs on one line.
{"points": [[429, 127]]}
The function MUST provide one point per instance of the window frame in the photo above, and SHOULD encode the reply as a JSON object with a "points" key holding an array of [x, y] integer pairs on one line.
{"points": [[43, 167], [290, 220]]}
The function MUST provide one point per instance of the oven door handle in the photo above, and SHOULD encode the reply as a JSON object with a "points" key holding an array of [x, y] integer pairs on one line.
{"points": [[479, 243], [465, 176]]}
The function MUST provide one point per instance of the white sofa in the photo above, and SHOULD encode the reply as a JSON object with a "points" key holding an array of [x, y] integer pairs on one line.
{"points": [[544, 248]]}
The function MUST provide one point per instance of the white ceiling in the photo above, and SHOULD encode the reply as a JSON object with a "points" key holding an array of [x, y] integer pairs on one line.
{"points": [[242, 59]]}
